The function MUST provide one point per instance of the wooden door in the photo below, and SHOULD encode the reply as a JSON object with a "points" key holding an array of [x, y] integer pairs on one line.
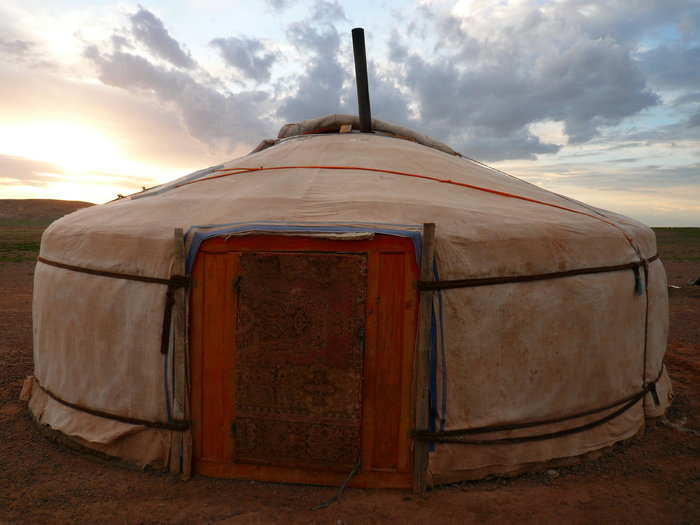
{"points": [[301, 359]]}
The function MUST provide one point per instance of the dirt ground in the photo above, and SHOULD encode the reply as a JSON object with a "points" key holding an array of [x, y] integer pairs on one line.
{"points": [[653, 479]]}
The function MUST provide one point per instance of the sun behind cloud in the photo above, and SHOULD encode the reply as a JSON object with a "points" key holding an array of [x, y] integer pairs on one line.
{"points": [[73, 146]]}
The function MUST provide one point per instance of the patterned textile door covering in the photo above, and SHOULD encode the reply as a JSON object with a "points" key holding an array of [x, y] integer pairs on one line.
{"points": [[298, 359]]}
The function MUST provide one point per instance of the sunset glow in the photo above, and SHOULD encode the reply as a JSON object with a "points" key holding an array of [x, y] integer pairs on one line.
{"points": [[74, 147]]}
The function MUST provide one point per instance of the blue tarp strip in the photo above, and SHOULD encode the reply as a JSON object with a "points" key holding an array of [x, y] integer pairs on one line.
{"points": [[432, 382], [443, 362], [198, 237]]}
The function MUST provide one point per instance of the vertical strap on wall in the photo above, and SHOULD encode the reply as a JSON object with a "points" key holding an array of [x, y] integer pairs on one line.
{"points": [[180, 457], [421, 362]]}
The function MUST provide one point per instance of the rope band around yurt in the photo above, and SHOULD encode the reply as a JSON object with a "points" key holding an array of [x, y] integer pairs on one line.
{"points": [[485, 281], [175, 425], [175, 282], [456, 436]]}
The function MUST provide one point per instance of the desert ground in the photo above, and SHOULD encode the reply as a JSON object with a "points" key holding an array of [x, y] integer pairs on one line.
{"points": [[654, 478]]}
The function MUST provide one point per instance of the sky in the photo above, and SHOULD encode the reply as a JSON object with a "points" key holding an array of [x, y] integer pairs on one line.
{"points": [[596, 100]]}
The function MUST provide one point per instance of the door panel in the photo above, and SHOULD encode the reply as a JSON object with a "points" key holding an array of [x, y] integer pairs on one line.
{"points": [[216, 365], [385, 453], [298, 359]]}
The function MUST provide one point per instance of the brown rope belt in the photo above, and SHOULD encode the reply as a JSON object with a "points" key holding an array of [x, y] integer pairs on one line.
{"points": [[175, 425], [456, 436], [485, 281], [175, 281]]}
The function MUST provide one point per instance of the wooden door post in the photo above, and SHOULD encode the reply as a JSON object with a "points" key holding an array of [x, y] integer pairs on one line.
{"points": [[421, 379], [181, 448]]}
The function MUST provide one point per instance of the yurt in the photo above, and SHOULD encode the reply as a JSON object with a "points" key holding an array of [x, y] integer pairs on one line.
{"points": [[343, 302]]}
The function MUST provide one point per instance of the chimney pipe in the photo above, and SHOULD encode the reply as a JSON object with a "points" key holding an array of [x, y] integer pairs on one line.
{"points": [[358, 47]]}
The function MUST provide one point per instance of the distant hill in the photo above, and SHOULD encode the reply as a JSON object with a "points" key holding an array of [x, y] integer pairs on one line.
{"points": [[22, 222], [37, 210]]}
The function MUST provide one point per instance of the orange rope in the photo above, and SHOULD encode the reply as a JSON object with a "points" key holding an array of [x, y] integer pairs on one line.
{"points": [[238, 171]]}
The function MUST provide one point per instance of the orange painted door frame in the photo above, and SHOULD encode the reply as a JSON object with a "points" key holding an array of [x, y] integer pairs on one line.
{"points": [[390, 335]]}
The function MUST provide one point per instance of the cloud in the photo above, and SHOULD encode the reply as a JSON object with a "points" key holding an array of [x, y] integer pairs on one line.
{"points": [[387, 100], [628, 21], [672, 65], [220, 119], [483, 82], [22, 51], [19, 170], [624, 146], [327, 85], [690, 98], [217, 117], [325, 11], [319, 88], [142, 128], [15, 47], [247, 55], [694, 120], [602, 177], [519, 144], [150, 31], [280, 5], [682, 130], [480, 89]]}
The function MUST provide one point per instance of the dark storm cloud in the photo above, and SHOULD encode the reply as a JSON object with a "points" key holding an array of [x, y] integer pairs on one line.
{"points": [[247, 55], [150, 31], [214, 117]]}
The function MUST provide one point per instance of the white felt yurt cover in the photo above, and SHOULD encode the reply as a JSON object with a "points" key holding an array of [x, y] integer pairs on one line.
{"points": [[515, 352]]}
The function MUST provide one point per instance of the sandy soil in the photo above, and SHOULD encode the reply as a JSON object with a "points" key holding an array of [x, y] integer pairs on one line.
{"points": [[653, 479]]}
